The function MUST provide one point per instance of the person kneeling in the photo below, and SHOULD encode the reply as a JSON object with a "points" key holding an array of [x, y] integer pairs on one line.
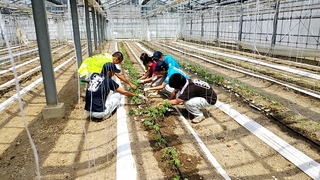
{"points": [[98, 103], [193, 93]]}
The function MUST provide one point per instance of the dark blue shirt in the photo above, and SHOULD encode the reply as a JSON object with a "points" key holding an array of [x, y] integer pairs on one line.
{"points": [[97, 92]]}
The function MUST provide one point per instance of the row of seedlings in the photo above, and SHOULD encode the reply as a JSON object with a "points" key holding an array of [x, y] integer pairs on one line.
{"points": [[150, 116]]}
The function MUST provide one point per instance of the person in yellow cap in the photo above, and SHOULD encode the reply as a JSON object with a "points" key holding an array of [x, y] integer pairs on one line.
{"points": [[94, 64]]}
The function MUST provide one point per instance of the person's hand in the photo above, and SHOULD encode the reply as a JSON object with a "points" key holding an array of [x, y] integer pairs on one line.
{"points": [[146, 89], [140, 81], [147, 84], [162, 103], [133, 86], [141, 96]]}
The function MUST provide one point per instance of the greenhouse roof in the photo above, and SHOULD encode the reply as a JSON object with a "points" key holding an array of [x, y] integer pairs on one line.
{"points": [[13, 6]]}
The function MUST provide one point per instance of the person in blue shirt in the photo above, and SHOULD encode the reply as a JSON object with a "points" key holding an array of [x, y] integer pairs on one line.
{"points": [[98, 103], [170, 61], [163, 69]]}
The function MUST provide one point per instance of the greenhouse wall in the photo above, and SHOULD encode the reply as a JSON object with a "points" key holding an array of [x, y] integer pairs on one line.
{"points": [[289, 24], [262, 24]]}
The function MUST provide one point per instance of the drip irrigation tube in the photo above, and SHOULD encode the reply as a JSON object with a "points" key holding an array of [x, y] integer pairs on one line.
{"points": [[253, 74], [177, 167], [276, 119], [317, 144], [254, 106], [286, 150]]}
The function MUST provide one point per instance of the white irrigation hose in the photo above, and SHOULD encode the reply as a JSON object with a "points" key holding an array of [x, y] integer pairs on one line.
{"points": [[211, 158], [22, 75], [25, 63], [135, 56], [28, 88], [305, 163], [204, 148], [126, 168], [284, 68], [249, 73], [7, 49], [18, 66], [144, 49], [18, 54], [19, 77]]}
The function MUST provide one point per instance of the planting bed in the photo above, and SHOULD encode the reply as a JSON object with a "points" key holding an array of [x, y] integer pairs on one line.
{"points": [[77, 148], [297, 110], [219, 131]]}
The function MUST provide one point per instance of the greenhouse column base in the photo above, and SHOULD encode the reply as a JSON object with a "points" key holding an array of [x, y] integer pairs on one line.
{"points": [[50, 111]]}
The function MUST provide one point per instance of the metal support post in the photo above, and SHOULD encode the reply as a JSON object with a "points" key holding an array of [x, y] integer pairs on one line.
{"points": [[191, 27], [240, 26], [93, 14], [53, 108], [103, 28], [218, 27], [43, 40], [202, 25], [275, 24], [240, 23], [98, 30], [88, 30], [76, 33]]}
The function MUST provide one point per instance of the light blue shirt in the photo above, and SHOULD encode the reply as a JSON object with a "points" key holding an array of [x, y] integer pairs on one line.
{"points": [[173, 70], [170, 61]]}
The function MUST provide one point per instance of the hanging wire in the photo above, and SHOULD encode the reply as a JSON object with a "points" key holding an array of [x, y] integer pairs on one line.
{"points": [[255, 26], [81, 15], [34, 149], [79, 92]]}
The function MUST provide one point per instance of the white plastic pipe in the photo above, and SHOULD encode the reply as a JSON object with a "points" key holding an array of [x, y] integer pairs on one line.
{"points": [[204, 148], [284, 68], [29, 87], [302, 161], [249, 73], [126, 167]]}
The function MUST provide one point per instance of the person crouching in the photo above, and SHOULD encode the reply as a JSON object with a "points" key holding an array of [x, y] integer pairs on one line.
{"points": [[98, 103], [193, 93]]}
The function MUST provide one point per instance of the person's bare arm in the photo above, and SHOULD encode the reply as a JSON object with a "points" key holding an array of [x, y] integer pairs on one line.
{"points": [[150, 79], [173, 94], [125, 92], [145, 76], [130, 94], [162, 79], [172, 101], [158, 87], [175, 101], [122, 78], [155, 78]]}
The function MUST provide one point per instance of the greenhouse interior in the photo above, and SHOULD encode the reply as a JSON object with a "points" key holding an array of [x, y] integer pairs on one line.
{"points": [[166, 89]]}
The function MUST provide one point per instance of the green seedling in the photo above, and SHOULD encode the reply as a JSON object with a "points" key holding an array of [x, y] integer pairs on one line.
{"points": [[160, 140], [133, 112], [170, 156]]}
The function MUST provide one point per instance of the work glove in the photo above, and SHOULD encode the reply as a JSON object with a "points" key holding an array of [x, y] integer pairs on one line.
{"points": [[154, 78], [147, 84], [153, 94], [146, 89], [140, 81], [141, 96]]}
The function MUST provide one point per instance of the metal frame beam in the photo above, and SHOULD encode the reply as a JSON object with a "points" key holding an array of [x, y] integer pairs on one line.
{"points": [[94, 4], [174, 3]]}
